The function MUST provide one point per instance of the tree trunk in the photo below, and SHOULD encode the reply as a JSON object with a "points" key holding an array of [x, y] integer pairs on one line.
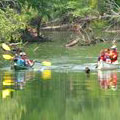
{"points": [[38, 26]]}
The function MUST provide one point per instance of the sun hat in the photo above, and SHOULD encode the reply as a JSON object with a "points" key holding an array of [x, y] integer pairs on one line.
{"points": [[22, 53], [114, 47]]}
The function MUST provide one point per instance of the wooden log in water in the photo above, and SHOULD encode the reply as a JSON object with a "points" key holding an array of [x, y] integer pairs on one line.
{"points": [[72, 43]]}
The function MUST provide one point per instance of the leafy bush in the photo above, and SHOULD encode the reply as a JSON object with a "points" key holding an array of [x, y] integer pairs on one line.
{"points": [[84, 12], [99, 24], [11, 23]]}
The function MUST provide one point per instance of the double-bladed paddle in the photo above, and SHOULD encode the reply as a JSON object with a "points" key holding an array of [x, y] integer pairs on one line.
{"points": [[9, 57], [6, 47]]}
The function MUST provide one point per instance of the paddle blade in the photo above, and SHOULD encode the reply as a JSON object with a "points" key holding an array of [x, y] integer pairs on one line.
{"points": [[46, 63], [7, 57], [5, 47]]}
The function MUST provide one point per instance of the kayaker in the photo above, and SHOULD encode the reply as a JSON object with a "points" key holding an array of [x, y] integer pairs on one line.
{"points": [[27, 61], [20, 59]]}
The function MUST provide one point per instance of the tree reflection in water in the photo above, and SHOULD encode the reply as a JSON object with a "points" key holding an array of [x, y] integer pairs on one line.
{"points": [[107, 79]]}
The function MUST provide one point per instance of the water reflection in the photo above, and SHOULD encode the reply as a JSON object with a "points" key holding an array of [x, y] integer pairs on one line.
{"points": [[46, 74], [107, 79], [13, 81], [7, 85]]}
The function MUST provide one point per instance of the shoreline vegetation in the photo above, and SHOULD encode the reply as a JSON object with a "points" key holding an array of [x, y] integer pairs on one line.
{"points": [[91, 22]]}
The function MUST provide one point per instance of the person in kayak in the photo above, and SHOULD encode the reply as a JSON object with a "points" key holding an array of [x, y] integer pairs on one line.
{"points": [[27, 61], [22, 60]]}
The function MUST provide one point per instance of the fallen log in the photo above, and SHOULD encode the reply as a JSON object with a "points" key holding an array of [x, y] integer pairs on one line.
{"points": [[72, 43], [59, 27], [14, 44], [92, 18], [112, 31]]}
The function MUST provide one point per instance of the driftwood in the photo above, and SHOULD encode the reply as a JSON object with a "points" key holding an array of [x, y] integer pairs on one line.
{"points": [[112, 31], [72, 43], [36, 49], [79, 21], [105, 16], [59, 27], [14, 44]]}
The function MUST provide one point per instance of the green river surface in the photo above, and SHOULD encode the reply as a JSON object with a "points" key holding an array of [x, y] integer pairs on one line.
{"points": [[61, 91]]}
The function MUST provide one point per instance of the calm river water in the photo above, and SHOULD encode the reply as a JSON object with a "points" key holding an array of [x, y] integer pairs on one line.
{"points": [[62, 91]]}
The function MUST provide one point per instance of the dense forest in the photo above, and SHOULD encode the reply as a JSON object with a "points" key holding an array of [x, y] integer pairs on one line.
{"points": [[23, 19]]}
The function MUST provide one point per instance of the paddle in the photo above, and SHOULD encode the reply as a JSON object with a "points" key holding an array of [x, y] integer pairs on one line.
{"points": [[6, 47], [9, 57], [45, 63]]}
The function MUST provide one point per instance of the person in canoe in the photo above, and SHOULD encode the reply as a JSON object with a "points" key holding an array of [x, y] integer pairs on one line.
{"points": [[105, 55], [109, 55], [114, 55], [102, 56]]}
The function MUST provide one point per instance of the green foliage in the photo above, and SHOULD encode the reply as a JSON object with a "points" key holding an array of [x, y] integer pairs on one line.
{"points": [[118, 2], [99, 24], [42, 8], [12, 20], [84, 12], [94, 4], [79, 8], [11, 23]]}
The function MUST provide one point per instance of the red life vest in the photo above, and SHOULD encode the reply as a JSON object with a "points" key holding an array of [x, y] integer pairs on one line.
{"points": [[102, 58], [114, 56]]}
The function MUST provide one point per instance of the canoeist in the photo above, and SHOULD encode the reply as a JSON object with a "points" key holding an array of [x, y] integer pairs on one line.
{"points": [[109, 55], [102, 56]]}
